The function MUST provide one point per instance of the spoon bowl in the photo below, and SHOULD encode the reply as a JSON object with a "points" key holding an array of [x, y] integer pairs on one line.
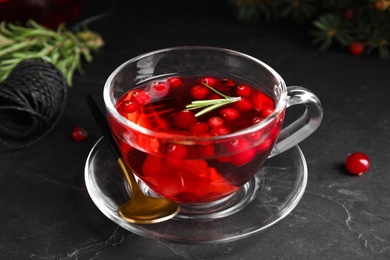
{"points": [[140, 209]]}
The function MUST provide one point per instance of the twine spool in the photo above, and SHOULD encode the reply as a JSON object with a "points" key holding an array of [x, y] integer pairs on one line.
{"points": [[32, 100]]}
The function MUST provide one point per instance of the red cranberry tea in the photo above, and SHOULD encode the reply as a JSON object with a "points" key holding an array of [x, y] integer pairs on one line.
{"points": [[205, 109]]}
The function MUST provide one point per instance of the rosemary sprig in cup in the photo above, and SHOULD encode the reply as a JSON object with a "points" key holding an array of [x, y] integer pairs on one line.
{"points": [[209, 105]]}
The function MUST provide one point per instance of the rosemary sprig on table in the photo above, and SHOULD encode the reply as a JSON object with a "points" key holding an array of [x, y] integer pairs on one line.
{"points": [[63, 48], [211, 104]]}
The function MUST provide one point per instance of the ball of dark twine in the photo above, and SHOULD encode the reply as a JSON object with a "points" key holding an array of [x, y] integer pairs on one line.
{"points": [[32, 100]]}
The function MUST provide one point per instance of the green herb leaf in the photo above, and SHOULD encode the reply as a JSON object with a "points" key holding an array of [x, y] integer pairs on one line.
{"points": [[209, 105], [63, 48]]}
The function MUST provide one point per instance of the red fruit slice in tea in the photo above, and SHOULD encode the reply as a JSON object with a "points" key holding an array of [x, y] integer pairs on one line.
{"points": [[262, 101], [195, 177], [173, 163], [141, 97]]}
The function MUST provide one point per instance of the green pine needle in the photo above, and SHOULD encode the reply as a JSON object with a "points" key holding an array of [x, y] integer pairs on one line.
{"points": [[369, 23], [331, 28]]}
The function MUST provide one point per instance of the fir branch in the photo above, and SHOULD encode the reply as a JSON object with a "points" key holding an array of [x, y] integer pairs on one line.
{"points": [[374, 31], [300, 11], [334, 21], [252, 10], [329, 28], [62, 48]]}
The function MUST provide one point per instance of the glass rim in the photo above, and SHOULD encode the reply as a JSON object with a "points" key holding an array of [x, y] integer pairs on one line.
{"points": [[110, 107]]}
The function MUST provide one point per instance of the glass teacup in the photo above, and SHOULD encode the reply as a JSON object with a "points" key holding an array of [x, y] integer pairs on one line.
{"points": [[148, 100]]}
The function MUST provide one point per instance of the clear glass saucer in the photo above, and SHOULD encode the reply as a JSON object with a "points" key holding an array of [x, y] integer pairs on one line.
{"points": [[274, 192]]}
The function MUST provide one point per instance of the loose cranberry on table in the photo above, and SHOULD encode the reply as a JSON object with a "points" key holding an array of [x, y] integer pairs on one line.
{"points": [[79, 134], [357, 163]]}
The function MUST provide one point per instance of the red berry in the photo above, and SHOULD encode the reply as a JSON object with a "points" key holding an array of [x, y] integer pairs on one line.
{"points": [[129, 106], [224, 85], [220, 130], [229, 113], [243, 157], [262, 101], [241, 90], [213, 95], [224, 159], [206, 150], [199, 128], [184, 119], [159, 90], [209, 81], [174, 82], [199, 92], [264, 113], [357, 163], [242, 149], [264, 146], [174, 156], [238, 145], [215, 121], [79, 134], [348, 14], [243, 105], [192, 151], [257, 120], [175, 150], [356, 48], [173, 163], [141, 97]]}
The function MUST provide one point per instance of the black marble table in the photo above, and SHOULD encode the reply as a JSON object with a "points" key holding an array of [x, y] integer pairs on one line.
{"points": [[47, 213]]}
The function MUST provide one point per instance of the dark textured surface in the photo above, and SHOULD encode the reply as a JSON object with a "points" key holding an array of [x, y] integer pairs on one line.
{"points": [[46, 212]]}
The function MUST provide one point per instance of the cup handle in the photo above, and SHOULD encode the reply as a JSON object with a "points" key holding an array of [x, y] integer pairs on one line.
{"points": [[305, 125]]}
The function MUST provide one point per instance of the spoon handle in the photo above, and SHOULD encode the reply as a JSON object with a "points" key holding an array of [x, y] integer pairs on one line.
{"points": [[103, 125]]}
